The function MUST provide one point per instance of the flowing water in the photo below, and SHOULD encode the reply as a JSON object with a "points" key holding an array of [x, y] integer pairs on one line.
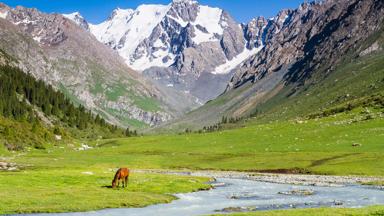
{"points": [[245, 195]]}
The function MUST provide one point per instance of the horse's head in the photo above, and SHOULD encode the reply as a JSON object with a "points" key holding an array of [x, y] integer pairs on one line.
{"points": [[113, 184]]}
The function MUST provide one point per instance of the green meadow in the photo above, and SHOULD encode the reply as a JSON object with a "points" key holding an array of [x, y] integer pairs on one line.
{"points": [[344, 144], [76, 190], [61, 178]]}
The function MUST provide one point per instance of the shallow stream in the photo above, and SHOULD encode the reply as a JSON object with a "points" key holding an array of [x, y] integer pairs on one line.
{"points": [[234, 195]]}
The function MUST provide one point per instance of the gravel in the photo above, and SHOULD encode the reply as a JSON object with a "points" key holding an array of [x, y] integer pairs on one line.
{"points": [[294, 179]]}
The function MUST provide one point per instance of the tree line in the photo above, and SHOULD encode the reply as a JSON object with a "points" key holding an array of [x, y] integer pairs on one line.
{"points": [[20, 92]]}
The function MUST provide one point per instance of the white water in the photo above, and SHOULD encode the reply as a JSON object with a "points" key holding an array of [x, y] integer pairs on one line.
{"points": [[260, 195]]}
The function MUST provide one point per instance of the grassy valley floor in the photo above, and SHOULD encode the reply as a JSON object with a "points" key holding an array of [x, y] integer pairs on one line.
{"points": [[76, 190], [370, 211], [61, 178]]}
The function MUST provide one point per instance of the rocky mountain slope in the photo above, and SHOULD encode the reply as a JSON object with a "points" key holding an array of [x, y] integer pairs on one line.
{"points": [[56, 50], [315, 43], [184, 46], [314, 34]]}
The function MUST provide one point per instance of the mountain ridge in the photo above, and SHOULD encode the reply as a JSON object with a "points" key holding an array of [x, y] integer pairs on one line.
{"points": [[182, 45], [299, 55], [61, 53]]}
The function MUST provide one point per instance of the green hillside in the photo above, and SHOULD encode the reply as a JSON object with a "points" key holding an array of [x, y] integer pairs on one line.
{"points": [[355, 76], [33, 114]]}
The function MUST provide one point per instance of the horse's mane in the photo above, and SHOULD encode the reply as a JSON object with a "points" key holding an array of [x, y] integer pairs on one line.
{"points": [[116, 175]]}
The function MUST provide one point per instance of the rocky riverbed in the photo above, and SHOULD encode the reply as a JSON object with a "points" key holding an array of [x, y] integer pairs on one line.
{"points": [[292, 179], [233, 195]]}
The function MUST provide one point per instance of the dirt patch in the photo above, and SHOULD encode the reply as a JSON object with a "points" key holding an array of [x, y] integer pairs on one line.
{"points": [[286, 171], [325, 160], [108, 144]]}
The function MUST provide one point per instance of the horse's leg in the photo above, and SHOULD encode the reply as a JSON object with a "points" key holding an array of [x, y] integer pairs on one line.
{"points": [[126, 181]]}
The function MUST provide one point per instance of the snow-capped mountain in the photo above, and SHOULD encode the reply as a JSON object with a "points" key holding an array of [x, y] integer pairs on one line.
{"points": [[182, 45], [59, 52], [153, 35]]}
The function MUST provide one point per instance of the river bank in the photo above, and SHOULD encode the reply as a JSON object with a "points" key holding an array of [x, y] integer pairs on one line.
{"points": [[233, 195], [292, 179]]}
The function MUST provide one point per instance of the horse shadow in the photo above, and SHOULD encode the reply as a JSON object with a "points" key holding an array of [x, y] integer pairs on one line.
{"points": [[110, 187]]}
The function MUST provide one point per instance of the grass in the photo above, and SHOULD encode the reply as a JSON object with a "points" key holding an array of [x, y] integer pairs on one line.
{"points": [[370, 211], [114, 92], [322, 146], [60, 179], [55, 179], [66, 190], [135, 123], [334, 141], [366, 74], [376, 183]]}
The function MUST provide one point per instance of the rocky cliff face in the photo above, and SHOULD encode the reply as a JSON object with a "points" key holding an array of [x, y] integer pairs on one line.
{"points": [[302, 49], [314, 36], [184, 45], [56, 50]]}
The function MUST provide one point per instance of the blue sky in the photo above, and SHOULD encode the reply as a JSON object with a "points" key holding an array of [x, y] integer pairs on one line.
{"points": [[96, 11]]}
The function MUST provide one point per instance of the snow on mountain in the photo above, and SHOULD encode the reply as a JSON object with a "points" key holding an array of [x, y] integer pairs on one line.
{"points": [[3, 15], [185, 1], [126, 30], [183, 45], [210, 19], [78, 19], [115, 27], [236, 61]]}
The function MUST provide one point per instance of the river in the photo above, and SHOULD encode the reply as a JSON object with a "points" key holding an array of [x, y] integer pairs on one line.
{"points": [[245, 195]]}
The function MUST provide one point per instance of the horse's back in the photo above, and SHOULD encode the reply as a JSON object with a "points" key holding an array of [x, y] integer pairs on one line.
{"points": [[124, 172]]}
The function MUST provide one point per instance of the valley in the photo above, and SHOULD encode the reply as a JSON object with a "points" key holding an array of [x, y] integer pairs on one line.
{"points": [[211, 116], [325, 146]]}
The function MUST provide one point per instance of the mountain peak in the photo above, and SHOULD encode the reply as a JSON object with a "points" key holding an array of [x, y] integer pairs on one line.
{"points": [[73, 15], [121, 13], [184, 1], [78, 19]]}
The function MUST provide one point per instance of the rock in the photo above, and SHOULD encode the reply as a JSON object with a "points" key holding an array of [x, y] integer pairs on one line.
{"points": [[243, 197], [12, 169], [3, 164], [78, 19], [300, 41], [298, 192], [219, 184], [374, 47], [84, 147], [57, 51], [234, 209], [8, 166], [180, 51], [338, 203]]}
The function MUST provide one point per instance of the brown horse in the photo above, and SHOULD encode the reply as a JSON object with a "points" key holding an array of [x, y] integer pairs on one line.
{"points": [[121, 175]]}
